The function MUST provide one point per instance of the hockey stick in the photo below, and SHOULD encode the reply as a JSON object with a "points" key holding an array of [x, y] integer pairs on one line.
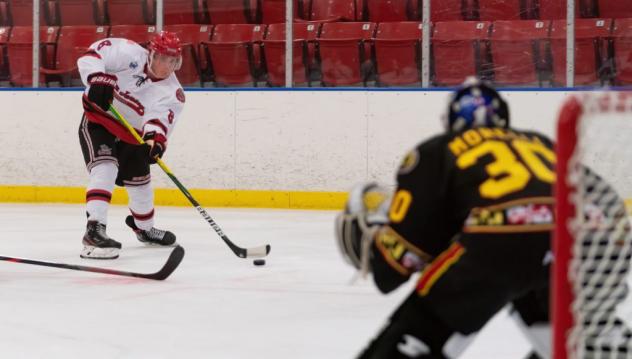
{"points": [[172, 263], [254, 252]]}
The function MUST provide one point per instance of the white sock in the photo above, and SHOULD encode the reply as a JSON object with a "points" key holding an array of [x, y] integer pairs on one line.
{"points": [[141, 204], [99, 191]]}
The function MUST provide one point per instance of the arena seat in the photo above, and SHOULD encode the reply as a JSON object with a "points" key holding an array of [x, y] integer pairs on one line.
{"points": [[446, 10], [193, 65], [184, 12], [80, 12], [622, 46], [492, 10], [234, 52], [390, 10], [273, 11], [231, 11], [141, 34], [517, 49], [20, 52], [131, 12], [5, 15], [345, 52], [556, 9], [459, 50], [5, 32], [590, 54], [274, 48], [614, 8], [397, 53], [328, 10], [72, 43], [20, 12]]}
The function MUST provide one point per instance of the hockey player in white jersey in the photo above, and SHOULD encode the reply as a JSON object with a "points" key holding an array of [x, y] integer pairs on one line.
{"points": [[141, 84]]}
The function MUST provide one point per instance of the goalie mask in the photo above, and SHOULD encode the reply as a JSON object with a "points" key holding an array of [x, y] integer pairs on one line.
{"points": [[165, 54], [366, 210], [476, 104]]}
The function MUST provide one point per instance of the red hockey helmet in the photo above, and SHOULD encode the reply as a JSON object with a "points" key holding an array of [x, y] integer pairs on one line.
{"points": [[166, 45]]}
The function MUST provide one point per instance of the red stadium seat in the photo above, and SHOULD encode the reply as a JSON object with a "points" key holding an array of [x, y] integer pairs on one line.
{"points": [[5, 14], [460, 50], [517, 51], [5, 31], [622, 40], [446, 10], [274, 49], [492, 10], [192, 65], [20, 12], [390, 10], [273, 11], [184, 12], [235, 53], [345, 52], [140, 34], [397, 49], [80, 12], [556, 9], [131, 12], [231, 11], [328, 10], [589, 54], [72, 43], [617, 9], [20, 50]]}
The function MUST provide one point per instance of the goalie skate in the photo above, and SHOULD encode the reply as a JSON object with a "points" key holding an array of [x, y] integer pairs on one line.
{"points": [[154, 236], [97, 244]]}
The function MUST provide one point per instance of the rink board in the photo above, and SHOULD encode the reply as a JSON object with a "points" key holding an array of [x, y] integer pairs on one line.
{"points": [[269, 148]]}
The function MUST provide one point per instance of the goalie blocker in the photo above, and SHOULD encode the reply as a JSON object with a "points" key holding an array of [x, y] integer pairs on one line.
{"points": [[472, 211]]}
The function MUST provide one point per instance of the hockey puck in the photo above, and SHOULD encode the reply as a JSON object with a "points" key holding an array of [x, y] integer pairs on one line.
{"points": [[259, 262]]}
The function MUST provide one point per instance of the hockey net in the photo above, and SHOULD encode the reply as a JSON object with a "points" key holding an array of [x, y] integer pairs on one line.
{"points": [[591, 313]]}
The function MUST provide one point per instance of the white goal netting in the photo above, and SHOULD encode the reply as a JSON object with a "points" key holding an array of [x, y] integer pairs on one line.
{"points": [[595, 165]]}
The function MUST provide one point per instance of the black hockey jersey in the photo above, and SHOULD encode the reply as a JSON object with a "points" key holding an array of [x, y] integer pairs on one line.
{"points": [[483, 180]]}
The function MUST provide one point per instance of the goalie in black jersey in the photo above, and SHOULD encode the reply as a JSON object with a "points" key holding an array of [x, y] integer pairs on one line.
{"points": [[473, 212]]}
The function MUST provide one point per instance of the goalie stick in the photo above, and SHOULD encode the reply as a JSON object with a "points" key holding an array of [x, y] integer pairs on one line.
{"points": [[172, 263], [254, 252]]}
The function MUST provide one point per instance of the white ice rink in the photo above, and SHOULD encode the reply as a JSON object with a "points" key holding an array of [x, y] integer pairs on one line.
{"points": [[215, 305]]}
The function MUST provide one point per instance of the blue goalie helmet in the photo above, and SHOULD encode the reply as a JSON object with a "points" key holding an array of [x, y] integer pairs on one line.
{"points": [[476, 104]]}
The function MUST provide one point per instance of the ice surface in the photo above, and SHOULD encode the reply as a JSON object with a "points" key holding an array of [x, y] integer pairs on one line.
{"points": [[215, 305]]}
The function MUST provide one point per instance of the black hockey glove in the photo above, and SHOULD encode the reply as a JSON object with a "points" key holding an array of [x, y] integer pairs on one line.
{"points": [[101, 89], [157, 147]]}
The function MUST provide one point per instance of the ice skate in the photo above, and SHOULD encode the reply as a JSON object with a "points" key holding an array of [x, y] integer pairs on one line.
{"points": [[97, 244], [153, 236]]}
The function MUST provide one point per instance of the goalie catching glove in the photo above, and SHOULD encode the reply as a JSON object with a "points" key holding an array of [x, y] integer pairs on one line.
{"points": [[365, 212]]}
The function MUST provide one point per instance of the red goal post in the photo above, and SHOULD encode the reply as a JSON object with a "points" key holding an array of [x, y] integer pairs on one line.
{"points": [[592, 237]]}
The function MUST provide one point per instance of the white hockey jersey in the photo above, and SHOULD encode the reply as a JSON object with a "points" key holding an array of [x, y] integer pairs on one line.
{"points": [[148, 104]]}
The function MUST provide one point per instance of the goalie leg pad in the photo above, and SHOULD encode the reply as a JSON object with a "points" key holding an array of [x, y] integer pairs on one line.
{"points": [[413, 331]]}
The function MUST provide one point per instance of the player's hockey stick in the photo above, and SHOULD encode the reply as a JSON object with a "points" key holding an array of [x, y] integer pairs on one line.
{"points": [[254, 252], [172, 263]]}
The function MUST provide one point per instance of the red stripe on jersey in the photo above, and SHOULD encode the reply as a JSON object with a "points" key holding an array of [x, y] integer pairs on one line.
{"points": [[143, 217], [96, 115], [91, 53], [157, 122], [444, 261]]}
